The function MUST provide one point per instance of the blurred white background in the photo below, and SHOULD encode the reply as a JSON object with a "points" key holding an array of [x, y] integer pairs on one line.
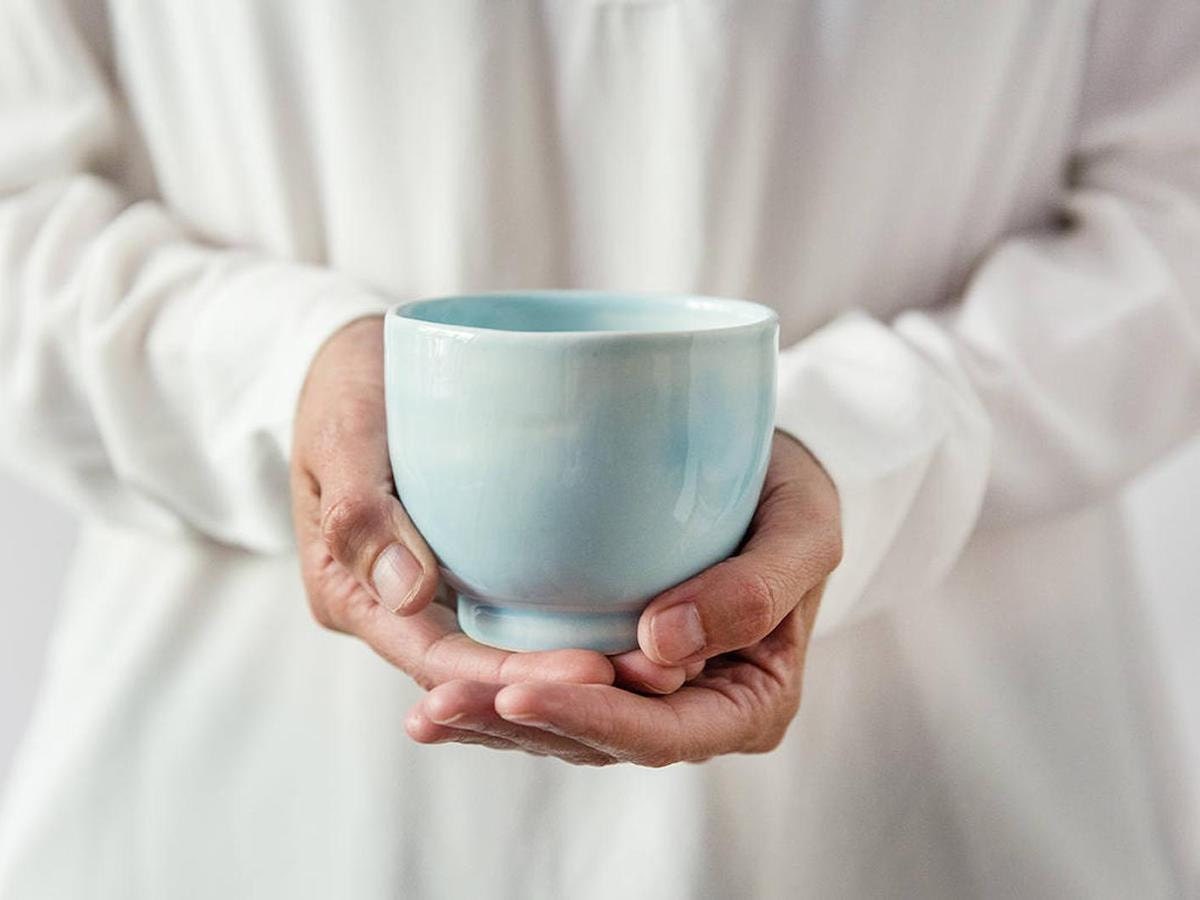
{"points": [[36, 538]]}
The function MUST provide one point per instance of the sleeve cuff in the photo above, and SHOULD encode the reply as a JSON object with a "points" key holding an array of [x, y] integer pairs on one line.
{"points": [[259, 327], [906, 449], [320, 305]]}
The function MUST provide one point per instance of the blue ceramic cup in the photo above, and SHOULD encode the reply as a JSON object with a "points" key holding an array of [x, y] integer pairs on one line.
{"points": [[568, 455]]}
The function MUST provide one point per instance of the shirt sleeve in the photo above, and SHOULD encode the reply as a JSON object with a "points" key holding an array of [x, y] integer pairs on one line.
{"points": [[1070, 362], [145, 377]]}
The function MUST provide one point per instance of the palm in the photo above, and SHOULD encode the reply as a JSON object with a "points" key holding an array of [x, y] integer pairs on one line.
{"points": [[733, 705]]}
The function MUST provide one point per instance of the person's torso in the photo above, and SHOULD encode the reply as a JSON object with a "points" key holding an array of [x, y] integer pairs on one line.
{"points": [[814, 156]]}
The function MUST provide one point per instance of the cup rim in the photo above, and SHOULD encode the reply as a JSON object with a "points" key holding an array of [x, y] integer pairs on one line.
{"points": [[767, 317]]}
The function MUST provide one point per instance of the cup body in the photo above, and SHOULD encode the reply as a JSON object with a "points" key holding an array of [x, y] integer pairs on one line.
{"points": [[569, 455]]}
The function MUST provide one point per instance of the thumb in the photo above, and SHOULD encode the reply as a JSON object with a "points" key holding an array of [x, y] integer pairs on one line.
{"points": [[341, 436], [367, 530], [793, 544], [364, 526]]}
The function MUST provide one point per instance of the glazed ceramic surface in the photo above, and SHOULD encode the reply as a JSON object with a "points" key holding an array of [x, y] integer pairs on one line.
{"points": [[569, 455]]}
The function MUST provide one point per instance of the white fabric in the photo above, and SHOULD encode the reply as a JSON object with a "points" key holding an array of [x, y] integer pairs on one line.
{"points": [[979, 224]]}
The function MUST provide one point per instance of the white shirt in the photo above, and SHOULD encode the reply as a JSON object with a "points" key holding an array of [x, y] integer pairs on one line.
{"points": [[979, 223]]}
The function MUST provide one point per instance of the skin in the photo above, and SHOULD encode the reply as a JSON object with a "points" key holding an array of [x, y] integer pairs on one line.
{"points": [[733, 688]]}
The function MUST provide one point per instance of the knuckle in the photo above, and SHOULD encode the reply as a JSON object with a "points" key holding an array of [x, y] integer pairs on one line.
{"points": [[323, 615], [345, 522], [757, 605], [657, 759], [586, 758], [336, 610], [769, 734], [341, 608], [830, 549], [335, 601], [666, 754], [768, 739]]}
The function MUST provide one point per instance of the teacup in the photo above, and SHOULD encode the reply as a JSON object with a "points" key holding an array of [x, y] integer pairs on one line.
{"points": [[568, 455]]}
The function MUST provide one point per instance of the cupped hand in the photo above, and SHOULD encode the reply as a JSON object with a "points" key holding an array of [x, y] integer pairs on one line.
{"points": [[746, 621], [367, 570]]}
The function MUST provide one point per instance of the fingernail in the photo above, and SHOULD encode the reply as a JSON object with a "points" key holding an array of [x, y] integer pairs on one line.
{"points": [[677, 632], [396, 576]]}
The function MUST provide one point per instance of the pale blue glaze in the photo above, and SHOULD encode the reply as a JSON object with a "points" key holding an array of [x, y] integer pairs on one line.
{"points": [[569, 455]]}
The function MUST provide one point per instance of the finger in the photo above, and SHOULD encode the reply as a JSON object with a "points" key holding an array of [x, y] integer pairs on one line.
{"points": [[424, 731], [693, 670], [362, 523], [794, 542], [369, 533], [738, 703], [430, 648], [692, 723], [341, 459], [469, 707], [635, 671], [626, 726]]}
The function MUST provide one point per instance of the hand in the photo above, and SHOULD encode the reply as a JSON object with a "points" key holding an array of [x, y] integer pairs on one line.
{"points": [[748, 619], [367, 570]]}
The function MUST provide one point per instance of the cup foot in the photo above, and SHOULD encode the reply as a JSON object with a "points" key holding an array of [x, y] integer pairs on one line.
{"points": [[531, 629]]}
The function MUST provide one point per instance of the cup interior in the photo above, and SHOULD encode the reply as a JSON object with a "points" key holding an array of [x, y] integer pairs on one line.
{"points": [[578, 311]]}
